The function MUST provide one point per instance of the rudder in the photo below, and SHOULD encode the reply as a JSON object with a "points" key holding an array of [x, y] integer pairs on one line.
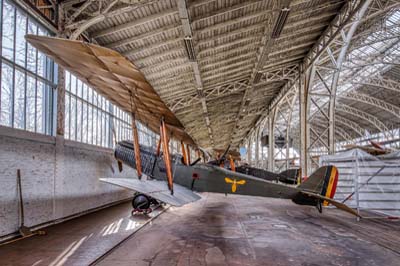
{"points": [[323, 182]]}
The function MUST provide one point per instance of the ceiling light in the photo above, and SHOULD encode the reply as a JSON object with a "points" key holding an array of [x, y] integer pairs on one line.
{"points": [[280, 23], [257, 78], [189, 48]]}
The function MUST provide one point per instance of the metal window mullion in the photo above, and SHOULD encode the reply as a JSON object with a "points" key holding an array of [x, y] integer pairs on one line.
{"points": [[101, 120], [26, 74], [106, 126], [1, 47], [29, 72], [45, 101], [103, 123], [92, 138], [36, 85], [13, 76], [46, 110], [97, 121], [69, 107], [94, 129], [87, 118], [82, 113], [49, 98], [76, 110], [110, 125], [119, 125]]}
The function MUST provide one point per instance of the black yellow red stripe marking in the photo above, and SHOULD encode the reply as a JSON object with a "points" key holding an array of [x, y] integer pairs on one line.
{"points": [[326, 180], [329, 188]]}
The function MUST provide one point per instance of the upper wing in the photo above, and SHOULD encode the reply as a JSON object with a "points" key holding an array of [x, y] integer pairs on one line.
{"points": [[114, 77], [156, 189], [337, 204]]}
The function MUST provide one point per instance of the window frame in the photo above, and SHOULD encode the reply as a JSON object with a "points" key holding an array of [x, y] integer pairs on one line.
{"points": [[47, 82], [109, 123]]}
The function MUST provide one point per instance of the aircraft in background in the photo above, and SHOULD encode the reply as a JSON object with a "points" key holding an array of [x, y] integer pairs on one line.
{"points": [[374, 148], [228, 158], [289, 176], [161, 176]]}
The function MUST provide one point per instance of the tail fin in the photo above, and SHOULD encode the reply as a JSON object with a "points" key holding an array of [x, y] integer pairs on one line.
{"points": [[319, 188], [290, 176], [323, 182]]}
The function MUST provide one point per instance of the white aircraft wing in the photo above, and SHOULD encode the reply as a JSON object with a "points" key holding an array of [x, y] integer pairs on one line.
{"points": [[156, 189]]}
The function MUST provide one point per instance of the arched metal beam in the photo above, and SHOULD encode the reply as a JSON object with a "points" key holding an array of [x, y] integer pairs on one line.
{"points": [[355, 127], [288, 102], [381, 104], [336, 53], [350, 124], [363, 115], [339, 131], [81, 26], [379, 82]]}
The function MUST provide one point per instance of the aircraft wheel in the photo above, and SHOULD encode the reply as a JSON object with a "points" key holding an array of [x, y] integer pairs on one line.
{"points": [[141, 202]]}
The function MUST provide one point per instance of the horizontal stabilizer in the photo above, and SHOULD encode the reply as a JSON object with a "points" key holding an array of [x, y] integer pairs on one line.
{"points": [[335, 203], [156, 189]]}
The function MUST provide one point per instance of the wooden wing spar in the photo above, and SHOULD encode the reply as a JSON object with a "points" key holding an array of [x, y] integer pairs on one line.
{"points": [[113, 76]]}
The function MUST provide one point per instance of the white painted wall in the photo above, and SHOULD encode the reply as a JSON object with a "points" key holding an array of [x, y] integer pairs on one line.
{"points": [[59, 178]]}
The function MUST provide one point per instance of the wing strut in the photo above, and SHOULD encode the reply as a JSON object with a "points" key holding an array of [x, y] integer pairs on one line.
{"points": [[167, 158], [184, 154], [136, 146], [188, 154], [232, 163]]}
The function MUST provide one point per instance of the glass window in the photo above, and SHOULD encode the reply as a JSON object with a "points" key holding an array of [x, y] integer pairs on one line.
{"points": [[31, 57], [20, 43], [92, 119], [30, 104], [7, 83], [26, 99], [19, 100], [8, 26]]}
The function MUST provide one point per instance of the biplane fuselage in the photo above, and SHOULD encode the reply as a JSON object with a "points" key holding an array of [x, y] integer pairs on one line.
{"points": [[204, 177], [188, 179]]}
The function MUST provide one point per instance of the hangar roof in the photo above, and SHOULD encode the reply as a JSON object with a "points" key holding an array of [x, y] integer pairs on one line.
{"points": [[218, 64]]}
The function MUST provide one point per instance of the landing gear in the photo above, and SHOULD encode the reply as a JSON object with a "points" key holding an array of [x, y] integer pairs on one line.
{"points": [[141, 203], [319, 206]]}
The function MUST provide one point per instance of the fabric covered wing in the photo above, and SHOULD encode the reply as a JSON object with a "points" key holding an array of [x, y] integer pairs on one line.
{"points": [[113, 76], [156, 189]]}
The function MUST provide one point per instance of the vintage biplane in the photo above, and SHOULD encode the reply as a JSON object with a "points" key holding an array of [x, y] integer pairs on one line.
{"points": [[170, 179], [289, 176], [228, 158], [374, 148]]}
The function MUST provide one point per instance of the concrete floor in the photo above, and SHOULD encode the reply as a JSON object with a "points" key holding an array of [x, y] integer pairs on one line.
{"points": [[216, 230]]}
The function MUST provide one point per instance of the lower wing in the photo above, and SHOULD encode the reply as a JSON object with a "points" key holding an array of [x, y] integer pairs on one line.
{"points": [[156, 189]]}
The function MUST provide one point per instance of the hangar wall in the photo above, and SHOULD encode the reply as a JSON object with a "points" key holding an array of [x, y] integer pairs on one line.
{"points": [[59, 178]]}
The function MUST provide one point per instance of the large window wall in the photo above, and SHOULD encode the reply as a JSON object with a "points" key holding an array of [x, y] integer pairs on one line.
{"points": [[28, 85], [92, 119], [28, 79]]}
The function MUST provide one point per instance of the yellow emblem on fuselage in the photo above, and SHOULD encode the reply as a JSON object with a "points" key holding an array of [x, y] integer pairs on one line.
{"points": [[234, 183]]}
